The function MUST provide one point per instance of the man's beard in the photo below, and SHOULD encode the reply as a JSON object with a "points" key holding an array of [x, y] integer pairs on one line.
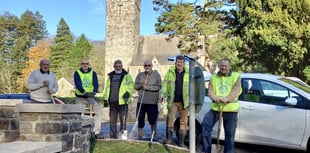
{"points": [[118, 71]]}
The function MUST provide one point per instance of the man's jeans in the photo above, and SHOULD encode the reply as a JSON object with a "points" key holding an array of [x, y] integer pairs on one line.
{"points": [[229, 123]]}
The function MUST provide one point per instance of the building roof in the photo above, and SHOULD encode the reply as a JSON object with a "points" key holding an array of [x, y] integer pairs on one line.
{"points": [[155, 47]]}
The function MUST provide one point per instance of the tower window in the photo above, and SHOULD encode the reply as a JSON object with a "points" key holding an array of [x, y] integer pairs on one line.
{"points": [[119, 9]]}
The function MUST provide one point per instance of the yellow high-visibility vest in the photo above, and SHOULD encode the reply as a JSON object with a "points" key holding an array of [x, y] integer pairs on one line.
{"points": [[222, 87]]}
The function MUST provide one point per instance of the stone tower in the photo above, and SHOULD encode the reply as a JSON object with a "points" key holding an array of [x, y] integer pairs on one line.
{"points": [[122, 31]]}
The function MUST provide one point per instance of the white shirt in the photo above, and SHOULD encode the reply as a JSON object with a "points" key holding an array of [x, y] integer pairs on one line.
{"points": [[35, 84]]}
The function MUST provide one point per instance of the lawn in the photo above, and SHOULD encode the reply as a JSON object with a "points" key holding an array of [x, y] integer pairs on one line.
{"points": [[119, 146]]}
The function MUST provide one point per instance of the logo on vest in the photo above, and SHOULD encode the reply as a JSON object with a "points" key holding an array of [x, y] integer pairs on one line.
{"points": [[86, 82], [223, 88]]}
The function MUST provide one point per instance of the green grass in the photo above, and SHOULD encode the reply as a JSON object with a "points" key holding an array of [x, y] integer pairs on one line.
{"points": [[119, 146]]}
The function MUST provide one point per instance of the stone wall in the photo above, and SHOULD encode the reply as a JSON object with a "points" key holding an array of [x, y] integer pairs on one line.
{"points": [[9, 122], [61, 127], [56, 123]]}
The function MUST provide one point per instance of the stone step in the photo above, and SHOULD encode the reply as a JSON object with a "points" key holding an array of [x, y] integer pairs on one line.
{"points": [[30, 147]]}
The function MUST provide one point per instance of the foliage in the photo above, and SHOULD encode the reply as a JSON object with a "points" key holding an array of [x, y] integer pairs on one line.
{"points": [[130, 147], [35, 55], [79, 52], [97, 62], [63, 43], [16, 37], [192, 23], [276, 34], [7, 83]]}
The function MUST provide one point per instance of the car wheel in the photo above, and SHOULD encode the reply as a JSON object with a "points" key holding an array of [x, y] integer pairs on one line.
{"points": [[308, 146], [197, 131]]}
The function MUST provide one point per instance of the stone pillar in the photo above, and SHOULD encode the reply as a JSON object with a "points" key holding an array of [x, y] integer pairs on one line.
{"points": [[9, 123], [51, 123]]}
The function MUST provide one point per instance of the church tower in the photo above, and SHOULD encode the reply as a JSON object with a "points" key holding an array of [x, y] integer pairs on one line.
{"points": [[122, 31]]}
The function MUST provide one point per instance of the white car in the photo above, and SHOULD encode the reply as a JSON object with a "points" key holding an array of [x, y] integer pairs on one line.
{"points": [[274, 111]]}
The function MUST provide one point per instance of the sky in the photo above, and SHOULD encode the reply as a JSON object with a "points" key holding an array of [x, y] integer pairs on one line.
{"points": [[82, 16]]}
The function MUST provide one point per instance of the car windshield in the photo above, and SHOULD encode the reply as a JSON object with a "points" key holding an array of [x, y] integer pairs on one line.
{"points": [[297, 84]]}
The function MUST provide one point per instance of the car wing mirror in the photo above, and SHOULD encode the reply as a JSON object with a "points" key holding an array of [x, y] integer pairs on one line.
{"points": [[291, 101]]}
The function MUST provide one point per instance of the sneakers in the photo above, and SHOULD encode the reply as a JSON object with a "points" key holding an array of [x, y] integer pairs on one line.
{"points": [[98, 136]]}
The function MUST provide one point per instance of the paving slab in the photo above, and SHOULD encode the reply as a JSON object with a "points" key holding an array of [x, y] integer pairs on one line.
{"points": [[30, 147]]}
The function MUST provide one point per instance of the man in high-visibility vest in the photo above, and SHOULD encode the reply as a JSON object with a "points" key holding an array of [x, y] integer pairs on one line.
{"points": [[224, 90], [86, 82], [118, 89], [175, 89]]}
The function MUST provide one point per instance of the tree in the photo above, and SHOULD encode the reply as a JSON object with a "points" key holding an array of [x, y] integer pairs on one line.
{"points": [[17, 36], [35, 55], [62, 44], [97, 61], [190, 22], [79, 52], [276, 35]]}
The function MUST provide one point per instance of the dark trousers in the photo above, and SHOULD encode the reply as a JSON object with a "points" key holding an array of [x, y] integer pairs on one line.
{"points": [[229, 123], [115, 112], [152, 112]]}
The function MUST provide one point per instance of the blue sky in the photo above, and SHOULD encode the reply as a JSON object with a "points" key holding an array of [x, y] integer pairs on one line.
{"points": [[82, 16]]}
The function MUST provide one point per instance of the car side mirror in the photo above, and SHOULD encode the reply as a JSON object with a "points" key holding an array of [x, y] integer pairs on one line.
{"points": [[291, 101]]}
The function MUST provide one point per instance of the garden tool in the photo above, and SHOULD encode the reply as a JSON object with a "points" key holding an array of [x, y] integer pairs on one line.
{"points": [[141, 100], [123, 134], [154, 129], [219, 129], [53, 100]]}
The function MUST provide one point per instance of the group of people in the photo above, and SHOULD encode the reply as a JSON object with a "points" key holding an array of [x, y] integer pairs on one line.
{"points": [[224, 90]]}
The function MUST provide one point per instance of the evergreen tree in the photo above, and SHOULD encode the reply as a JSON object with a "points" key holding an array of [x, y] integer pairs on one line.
{"points": [[190, 22], [62, 44], [79, 52], [276, 35]]}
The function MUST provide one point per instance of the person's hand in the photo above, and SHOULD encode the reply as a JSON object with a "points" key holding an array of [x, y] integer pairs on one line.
{"points": [[105, 103], [144, 86], [90, 94], [126, 95], [224, 100], [49, 91], [45, 83]]}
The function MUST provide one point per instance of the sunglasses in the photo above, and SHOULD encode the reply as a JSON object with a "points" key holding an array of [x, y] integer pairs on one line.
{"points": [[84, 63], [149, 65]]}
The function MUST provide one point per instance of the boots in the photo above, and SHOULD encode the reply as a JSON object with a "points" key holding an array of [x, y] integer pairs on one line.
{"points": [[140, 133], [154, 129], [182, 135], [169, 137]]}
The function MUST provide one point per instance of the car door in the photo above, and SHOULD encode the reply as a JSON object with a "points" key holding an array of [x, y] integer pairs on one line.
{"points": [[264, 118]]}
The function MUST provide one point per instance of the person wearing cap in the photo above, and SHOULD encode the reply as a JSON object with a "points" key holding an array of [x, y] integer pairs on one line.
{"points": [[148, 84], [42, 83], [175, 89], [86, 83]]}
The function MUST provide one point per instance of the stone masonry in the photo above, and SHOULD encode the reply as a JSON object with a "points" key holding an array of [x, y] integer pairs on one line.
{"points": [[9, 122], [122, 31], [57, 127]]}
